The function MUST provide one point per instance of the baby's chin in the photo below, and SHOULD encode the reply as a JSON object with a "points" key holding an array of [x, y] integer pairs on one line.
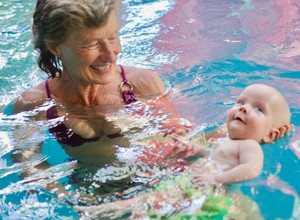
{"points": [[243, 137]]}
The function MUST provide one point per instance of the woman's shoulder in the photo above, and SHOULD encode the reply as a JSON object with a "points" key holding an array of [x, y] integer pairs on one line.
{"points": [[145, 81], [136, 73], [30, 98]]}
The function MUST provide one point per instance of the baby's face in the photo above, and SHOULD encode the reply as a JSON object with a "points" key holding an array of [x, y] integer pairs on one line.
{"points": [[251, 117]]}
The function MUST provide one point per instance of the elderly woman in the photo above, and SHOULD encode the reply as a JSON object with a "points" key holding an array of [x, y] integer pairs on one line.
{"points": [[78, 44]]}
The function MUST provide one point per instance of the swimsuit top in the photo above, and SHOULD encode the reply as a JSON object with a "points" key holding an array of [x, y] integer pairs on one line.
{"points": [[65, 135]]}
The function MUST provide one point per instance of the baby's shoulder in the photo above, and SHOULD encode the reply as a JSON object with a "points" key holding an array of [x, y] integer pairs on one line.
{"points": [[249, 145], [240, 144], [249, 142]]}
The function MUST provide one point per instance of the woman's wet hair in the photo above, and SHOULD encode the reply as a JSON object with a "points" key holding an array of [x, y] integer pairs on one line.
{"points": [[53, 20]]}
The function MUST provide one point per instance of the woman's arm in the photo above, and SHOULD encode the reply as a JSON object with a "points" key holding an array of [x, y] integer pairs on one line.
{"points": [[28, 138]]}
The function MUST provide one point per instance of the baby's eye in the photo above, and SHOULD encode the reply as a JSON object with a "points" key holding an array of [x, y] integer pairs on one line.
{"points": [[240, 102], [259, 109]]}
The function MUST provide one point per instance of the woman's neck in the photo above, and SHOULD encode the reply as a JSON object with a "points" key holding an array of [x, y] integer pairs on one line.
{"points": [[75, 92]]}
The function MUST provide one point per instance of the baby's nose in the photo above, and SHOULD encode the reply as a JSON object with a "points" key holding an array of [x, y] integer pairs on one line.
{"points": [[244, 109]]}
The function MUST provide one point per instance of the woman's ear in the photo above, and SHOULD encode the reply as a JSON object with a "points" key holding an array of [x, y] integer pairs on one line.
{"points": [[54, 49], [273, 135]]}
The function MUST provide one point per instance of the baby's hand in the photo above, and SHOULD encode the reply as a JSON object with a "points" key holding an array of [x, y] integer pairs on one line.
{"points": [[206, 178]]}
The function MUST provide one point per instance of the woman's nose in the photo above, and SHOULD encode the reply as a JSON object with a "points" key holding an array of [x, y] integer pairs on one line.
{"points": [[107, 53]]}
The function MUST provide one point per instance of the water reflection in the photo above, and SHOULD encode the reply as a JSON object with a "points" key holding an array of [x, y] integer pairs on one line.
{"points": [[207, 51]]}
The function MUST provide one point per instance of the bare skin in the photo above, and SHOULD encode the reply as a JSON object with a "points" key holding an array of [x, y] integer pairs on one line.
{"points": [[261, 115], [236, 159], [89, 88]]}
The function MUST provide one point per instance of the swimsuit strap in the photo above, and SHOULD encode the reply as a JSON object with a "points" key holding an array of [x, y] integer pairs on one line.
{"points": [[47, 89], [128, 95], [123, 74]]}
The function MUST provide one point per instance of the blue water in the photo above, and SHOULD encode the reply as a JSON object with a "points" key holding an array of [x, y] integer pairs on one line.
{"points": [[207, 51]]}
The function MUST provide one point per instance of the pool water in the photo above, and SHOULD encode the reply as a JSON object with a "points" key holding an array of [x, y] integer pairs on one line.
{"points": [[207, 52]]}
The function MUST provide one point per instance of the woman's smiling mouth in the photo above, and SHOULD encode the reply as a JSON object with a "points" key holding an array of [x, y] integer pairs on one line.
{"points": [[100, 67]]}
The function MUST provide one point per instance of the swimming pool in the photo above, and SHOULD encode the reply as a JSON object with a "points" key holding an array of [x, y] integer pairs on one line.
{"points": [[207, 51]]}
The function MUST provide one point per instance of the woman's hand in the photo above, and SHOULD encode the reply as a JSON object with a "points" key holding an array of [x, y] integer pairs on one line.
{"points": [[90, 123]]}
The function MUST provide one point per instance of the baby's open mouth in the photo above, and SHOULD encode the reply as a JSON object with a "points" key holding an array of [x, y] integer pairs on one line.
{"points": [[239, 119]]}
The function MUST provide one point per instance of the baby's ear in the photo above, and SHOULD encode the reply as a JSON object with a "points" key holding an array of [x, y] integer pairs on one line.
{"points": [[286, 129], [273, 135]]}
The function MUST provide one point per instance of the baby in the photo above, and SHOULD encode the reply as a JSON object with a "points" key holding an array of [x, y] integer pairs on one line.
{"points": [[261, 115]]}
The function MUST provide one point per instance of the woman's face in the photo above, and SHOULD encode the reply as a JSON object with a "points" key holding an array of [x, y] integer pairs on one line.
{"points": [[90, 55]]}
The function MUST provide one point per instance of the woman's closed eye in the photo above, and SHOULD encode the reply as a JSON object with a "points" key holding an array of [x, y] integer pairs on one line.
{"points": [[92, 45], [113, 38]]}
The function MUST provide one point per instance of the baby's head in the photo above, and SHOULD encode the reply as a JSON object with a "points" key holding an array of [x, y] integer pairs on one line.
{"points": [[261, 113]]}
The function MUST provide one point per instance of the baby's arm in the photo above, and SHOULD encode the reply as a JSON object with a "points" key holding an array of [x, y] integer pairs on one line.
{"points": [[250, 156]]}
